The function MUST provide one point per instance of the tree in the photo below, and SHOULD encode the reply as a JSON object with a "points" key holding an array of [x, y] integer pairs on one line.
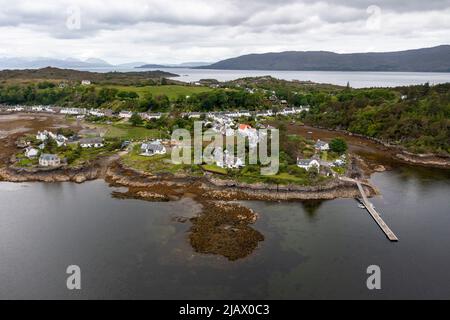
{"points": [[338, 145], [136, 120]]}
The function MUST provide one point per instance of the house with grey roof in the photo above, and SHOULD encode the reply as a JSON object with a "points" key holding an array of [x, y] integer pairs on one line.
{"points": [[322, 146], [31, 152], [152, 148], [308, 164], [49, 160], [91, 143]]}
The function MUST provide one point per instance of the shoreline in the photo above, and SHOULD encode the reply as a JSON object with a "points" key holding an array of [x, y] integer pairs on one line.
{"points": [[398, 152], [147, 187]]}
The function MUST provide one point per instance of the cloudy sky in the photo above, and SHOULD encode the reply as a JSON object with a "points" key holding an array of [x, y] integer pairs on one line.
{"points": [[173, 31]]}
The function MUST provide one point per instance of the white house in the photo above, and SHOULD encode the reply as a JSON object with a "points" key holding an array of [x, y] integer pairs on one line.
{"points": [[287, 111], [229, 132], [91, 143], [31, 152], [97, 113], [194, 115], [71, 111], [308, 164], [154, 116], [322, 146], [42, 136], [225, 159], [125, 114], [85, 82], [49, 160], [244, 113], [37, 108], [152, 148], [266, 113], [61, 140]]}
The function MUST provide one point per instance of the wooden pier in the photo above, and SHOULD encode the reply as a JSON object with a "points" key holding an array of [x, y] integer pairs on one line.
{"points": [[369, 206]]}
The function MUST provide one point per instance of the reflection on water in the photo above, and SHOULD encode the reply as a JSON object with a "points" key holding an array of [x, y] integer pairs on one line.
{"points": [[311, 207], [136, 249]]}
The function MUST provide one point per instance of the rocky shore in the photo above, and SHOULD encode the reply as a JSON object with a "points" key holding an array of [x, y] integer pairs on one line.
{"points": [[61, 174], [217, 189], [424, 160], [399, 152]]}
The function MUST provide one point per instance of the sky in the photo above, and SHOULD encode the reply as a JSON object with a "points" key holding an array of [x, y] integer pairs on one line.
{"points": [[175, 31]]}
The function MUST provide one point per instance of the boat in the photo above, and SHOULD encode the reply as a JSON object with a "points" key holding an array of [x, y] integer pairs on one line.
{"points": [[361, 206]]}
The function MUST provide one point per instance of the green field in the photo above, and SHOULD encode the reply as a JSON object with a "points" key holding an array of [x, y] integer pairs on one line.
{"points": [[156, 164], [172, 91], [127, 132]]}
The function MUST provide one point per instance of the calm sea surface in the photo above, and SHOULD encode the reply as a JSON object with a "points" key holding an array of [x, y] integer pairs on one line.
{"points": [[134, 249], [356, 79]]}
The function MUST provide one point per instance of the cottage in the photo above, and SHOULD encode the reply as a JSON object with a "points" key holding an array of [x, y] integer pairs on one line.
{"points": [[49, 160], [152, 148], [61, 140], [125, 114], [91, 143], [37, 108], [322, 146], [97, 113], [154, 116], [42, 136], [31, 152], [71, 111], [225, 159], [308, 164], [244, 113], [194, 115], [266, 113], [85, 82]]}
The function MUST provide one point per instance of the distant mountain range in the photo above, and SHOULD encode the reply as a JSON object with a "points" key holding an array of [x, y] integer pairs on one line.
{"points": [[71, 63], [436, 59], [36, 63], [181, 65]]}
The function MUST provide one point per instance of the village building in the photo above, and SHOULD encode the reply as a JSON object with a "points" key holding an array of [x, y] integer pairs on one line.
{"points": [[31, 152], [225, 159], [244, 113], [152, 148], [97, 113], [42, 136], [322, 146], [60, 140], [308, 164], [194, 115], [91, 143], [85, 82], [72, 111], [266, 113], [125, 114], [49, 160], [154, 116], [37, 108]]}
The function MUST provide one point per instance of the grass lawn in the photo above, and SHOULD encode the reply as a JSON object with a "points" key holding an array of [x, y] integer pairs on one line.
{"points": [[154, 164], [172, 91], [214, 169], [128, 132]]}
